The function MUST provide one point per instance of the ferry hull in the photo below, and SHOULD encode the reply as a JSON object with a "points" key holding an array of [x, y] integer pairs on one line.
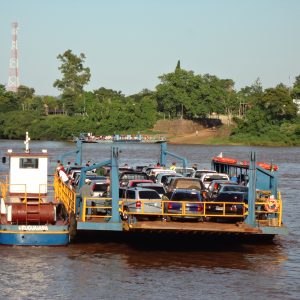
{"points": [[14, 235]]}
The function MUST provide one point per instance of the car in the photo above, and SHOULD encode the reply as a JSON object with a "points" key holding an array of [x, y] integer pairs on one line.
{"points": [[207, 178], [135, 182], [125, 176], [216, 185], [234, 193], [225, 187], [187, 172], [141, 201], [184, 200], [163, 178], [200, 172], [153, 186], [185, 183], [155, 172], [99, 187], [89, 175]]}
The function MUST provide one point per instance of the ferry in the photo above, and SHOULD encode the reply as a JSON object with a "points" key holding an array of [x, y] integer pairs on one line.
{"points": [[258, 217], [33, 212], [118, 138]]}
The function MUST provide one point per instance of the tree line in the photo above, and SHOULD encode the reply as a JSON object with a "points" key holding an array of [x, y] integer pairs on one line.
{"points": [[259, 116]]}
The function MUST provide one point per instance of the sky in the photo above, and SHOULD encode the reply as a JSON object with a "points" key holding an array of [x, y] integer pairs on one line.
{"points": [[128, 44]]}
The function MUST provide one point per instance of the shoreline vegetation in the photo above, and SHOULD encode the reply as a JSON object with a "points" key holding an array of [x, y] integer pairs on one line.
{"points": [[188, 106]]}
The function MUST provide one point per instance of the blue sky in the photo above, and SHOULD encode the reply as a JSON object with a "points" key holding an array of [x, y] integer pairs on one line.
{"points": [[129, 43]]}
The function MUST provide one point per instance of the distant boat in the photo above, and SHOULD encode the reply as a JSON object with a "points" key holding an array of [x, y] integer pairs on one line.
{"points": [[90, 138], [137, 139], [118, 138]]}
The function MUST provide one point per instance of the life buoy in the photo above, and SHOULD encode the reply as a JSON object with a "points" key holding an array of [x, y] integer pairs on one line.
{"points": [[271, 205], [266, 166], [225, 160]]}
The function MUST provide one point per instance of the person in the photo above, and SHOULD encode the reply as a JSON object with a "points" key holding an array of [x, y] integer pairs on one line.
{"points": [[158, 165], [58, 167], [85, 191], [173, 167], [63, 175], [234, 178], [195, 167], [88, 163]]}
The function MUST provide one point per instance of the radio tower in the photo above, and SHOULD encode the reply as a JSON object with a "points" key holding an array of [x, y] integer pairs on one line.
{"points": [[13, 78]]}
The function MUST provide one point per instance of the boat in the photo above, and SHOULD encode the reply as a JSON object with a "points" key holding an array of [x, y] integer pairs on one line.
{"points": [[32, 213], [90, 138], [233, 161], [117, 138], [256, 216], [128, 138]]}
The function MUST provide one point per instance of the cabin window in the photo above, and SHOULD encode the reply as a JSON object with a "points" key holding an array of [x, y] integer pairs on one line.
{"points": [[29, 163]]}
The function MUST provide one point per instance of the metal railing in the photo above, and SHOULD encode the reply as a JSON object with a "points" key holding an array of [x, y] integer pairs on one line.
{"points": [[99, 209], [65, 194], [96, 208]]}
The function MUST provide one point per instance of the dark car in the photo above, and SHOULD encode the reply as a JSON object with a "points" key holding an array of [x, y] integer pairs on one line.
{"points": [[125, 176], [230, 202], [216, 186], [185, 203]]}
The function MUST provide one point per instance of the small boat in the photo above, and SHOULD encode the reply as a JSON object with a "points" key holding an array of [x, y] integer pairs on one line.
{"points": [[90, 138], [31, 213], [128, 138], [233, 161]]}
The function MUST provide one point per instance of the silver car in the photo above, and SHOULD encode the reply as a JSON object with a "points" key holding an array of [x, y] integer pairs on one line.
{"points": [[141, 202]]}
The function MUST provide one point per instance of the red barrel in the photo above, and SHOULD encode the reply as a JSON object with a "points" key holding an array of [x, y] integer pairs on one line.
{"points": [[30, 214]]}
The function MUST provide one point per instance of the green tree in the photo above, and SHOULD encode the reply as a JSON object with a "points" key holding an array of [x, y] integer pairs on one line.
{"points": [[296, 88], [8, 100], [74, 77], [279, 104], [25, 95]]}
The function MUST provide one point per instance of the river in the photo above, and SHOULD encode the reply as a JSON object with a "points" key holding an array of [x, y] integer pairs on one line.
{"points": [[119, 270]]}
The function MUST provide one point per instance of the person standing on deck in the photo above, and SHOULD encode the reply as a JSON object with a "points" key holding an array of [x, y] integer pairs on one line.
{"points": [[86, 191], [173, 167], [63, 175]]}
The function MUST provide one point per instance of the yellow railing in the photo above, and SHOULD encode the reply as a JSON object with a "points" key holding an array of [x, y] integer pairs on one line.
{"points": [[65, 194], [100, 208], [92, 210]]}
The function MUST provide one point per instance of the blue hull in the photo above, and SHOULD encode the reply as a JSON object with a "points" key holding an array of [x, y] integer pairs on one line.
{"points": [[53, 236]]}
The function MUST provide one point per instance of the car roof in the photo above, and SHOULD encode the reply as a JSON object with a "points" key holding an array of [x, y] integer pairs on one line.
{"points": [[223, 181], [185, 191], [142, 184], [139, 189]]}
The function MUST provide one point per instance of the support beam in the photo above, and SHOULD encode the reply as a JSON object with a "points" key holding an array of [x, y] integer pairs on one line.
{"points": [[250, 220], [164, 153]]}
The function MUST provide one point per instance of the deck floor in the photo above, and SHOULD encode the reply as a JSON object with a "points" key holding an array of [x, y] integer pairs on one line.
{"points": [[191, 227]]}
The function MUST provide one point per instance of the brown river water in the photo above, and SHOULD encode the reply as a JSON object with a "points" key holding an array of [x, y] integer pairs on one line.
{"points": [[107, 268]]}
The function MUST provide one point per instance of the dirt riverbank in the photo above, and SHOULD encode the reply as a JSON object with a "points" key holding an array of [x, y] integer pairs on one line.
{"points": [[188, 132]]}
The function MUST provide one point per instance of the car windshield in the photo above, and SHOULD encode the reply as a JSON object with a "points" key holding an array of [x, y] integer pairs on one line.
{"points": [[186, 196], [215, 177], [100, 187], [159, 189], [235, 188], [148, 195]]}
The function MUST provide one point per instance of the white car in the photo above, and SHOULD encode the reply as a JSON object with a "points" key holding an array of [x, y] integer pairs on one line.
{"points": [[207, 178], [199, 173]]}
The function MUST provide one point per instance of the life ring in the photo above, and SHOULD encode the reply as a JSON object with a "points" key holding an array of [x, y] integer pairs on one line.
{"points": [[266, 166], [271, 206], [225, 160]]}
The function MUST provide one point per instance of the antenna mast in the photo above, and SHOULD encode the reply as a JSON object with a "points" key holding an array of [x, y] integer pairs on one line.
{"points": [[13, 79]]}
